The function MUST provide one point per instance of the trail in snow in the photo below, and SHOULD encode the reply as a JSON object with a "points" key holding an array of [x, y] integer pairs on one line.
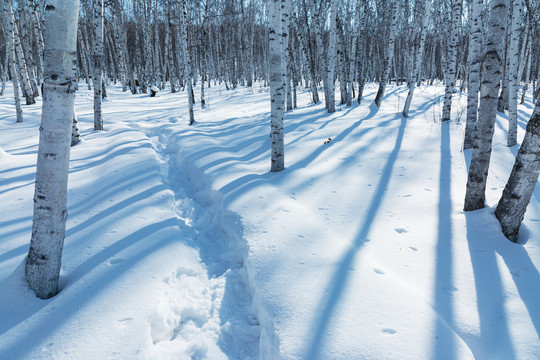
{"points": [[217, 303]]}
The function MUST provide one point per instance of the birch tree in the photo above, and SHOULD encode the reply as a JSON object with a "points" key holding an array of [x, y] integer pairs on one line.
{"points": [[98, 58], [277, 76], [185, 58], [389, 55], [493, 61], [520, 186], [50, 196], [513, 76], [423, 10], [450, 77], [475, 63], [332, 55]]}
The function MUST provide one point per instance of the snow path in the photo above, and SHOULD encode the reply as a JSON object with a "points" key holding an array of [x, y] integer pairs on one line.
{"points": [[217, 234]]}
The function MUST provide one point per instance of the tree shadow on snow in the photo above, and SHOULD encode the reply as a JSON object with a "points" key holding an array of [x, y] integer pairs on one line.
{"points": [[339, 281]]}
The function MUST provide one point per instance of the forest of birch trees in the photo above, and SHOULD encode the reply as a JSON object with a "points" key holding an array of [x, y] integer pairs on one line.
{"points": [[488, 49]]}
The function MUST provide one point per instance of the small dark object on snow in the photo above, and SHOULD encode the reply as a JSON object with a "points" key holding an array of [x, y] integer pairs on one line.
{"points": [[328, 141], [153, 91]]}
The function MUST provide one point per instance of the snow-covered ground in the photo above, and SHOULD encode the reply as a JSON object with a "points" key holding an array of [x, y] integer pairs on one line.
{"points": [[182, 245]]}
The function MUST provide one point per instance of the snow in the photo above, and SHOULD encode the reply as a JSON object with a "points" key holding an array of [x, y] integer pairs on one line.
{"points": [[182, 245]]}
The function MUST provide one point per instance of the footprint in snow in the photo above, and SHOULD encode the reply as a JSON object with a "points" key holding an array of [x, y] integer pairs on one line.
{"points": [[413, 248], [400, 230], [378, 271], [389, 331], [116, 261]]}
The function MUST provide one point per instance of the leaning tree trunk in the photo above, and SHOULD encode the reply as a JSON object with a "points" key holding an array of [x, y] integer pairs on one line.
{"points": [[513, 76], [424, 15], [520, 186], [98, 57], [50, 197], [277, 103], [451, 61], [491, 79], [475, 63], [389, 53]]}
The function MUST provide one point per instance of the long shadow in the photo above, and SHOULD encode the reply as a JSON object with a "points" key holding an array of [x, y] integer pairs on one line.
{"points": [[444, 347], [489, 293], [339, 281], [62, 313], [115, 208], [253, 178], [526, 278]]}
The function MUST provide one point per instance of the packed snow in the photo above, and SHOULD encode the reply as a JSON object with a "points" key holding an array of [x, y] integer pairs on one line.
{"points": [[181, 244]]}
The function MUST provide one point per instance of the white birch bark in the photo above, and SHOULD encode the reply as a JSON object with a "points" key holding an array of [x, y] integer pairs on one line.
{"points": [[185, 58], [50, 197], [424, 16], [11, 28], [493, 61], [475, 63], [332, 59], [358, 27], [389, 56], [450, 77], [98, 57], [32, 10], [277, 104], [513, 76], [520, 186]]}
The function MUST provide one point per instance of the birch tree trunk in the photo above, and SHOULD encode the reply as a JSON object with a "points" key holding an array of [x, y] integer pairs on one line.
{"points": [[424, 16], [451, 61], [332, 55], [493, 62], [50, 197], [32, 9], [389, 56], [475, 63], [520, 186], [98, 57], [513, 76], [277, 76], [353, 60], [18, 58], [185, 56]]}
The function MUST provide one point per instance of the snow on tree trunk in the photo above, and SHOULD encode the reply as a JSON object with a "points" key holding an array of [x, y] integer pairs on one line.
{"points": [[451, 60], [513, 76], [491, 78], [277, 76], [475, 63], [389, 56], [520, 186], [50, 197], [75, 135], [424, 12], [98, 57]]}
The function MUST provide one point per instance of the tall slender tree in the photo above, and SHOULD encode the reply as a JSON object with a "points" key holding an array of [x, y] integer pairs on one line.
{"points": [[475, 63], [98, 57], [50, 197], [492, 67], [450, 75]]}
